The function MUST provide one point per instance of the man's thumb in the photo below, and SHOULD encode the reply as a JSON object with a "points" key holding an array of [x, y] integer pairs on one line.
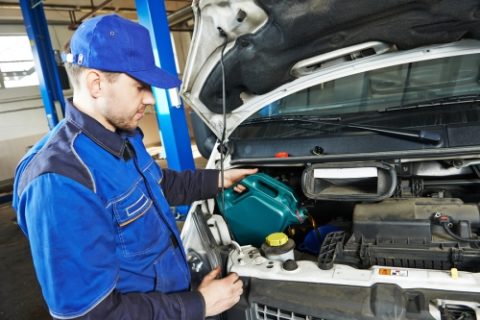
{"points": [[213, 274]]}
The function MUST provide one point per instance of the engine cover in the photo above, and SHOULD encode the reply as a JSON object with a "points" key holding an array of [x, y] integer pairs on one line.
{"points": [[408, 233], [410, 220]]}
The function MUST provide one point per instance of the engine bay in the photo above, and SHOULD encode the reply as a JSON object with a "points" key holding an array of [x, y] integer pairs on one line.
{"points": [[393, 240], [420, 214]]}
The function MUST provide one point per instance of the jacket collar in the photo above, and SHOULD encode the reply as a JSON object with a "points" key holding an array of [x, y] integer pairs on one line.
{"points": [[113, 142]]}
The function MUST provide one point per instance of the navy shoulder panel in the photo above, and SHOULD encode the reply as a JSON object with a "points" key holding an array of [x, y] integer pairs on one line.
{"points": [[57, 156], [139, 130]]}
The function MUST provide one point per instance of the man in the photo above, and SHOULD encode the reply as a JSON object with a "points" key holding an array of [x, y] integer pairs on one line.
{"points": [[96, 207]]}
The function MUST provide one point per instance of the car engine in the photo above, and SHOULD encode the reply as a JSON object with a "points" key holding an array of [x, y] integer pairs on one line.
{"points": [[420, 214]]}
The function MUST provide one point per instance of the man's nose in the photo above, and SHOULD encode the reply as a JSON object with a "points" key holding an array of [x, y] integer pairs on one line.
{"points": [[148, 97]]}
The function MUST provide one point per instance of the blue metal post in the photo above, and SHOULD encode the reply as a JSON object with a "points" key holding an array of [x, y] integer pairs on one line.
{"points": [[45, 65], [171, 119]]}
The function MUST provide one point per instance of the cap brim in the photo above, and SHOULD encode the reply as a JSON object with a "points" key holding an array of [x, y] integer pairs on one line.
{"points": [[156, 77]]}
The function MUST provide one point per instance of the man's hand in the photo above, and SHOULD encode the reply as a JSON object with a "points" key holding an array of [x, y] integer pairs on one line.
{"points": [[220, 294], [232, 176]]}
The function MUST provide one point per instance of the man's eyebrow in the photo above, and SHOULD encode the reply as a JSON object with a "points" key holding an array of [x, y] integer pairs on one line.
{"points": [[143, 84]]}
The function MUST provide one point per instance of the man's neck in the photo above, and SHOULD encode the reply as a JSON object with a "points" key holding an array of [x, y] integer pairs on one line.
{"points": [[88, 107]]}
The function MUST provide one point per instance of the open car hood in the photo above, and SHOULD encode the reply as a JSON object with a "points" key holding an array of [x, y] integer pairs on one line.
{"points": [[273, 48]]}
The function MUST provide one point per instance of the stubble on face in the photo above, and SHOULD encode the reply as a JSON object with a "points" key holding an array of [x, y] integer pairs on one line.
{"points": [[118, 113], [126, 122]]}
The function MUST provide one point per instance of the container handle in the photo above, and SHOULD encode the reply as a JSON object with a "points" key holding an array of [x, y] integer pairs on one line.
{"points": [[260, 185]]}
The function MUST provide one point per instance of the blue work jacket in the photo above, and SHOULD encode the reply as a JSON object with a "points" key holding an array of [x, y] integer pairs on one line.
{"points": [[96, 209]]}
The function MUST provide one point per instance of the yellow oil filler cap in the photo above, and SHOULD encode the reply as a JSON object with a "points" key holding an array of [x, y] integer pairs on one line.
{"points": [[276, 239]]}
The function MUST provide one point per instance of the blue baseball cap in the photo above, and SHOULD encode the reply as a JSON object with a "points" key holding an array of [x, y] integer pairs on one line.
{"points": [[114, 44]]}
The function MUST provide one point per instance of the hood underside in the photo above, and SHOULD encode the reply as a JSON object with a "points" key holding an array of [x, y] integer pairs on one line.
{"points": [[264, 39]]}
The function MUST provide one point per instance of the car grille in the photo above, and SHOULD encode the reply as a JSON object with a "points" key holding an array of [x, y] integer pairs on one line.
{"points": [[457, 312], [264, 312]]}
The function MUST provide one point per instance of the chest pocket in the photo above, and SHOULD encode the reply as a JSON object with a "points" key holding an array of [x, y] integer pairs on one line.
{"points": [[138, 224]]}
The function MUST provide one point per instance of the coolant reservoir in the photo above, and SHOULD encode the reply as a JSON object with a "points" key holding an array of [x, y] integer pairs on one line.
{"points": [[267, 206], [278, 247]]}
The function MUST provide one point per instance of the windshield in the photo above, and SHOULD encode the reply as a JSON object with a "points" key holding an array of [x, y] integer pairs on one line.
{"points": [[424, 105], [380, 89]]}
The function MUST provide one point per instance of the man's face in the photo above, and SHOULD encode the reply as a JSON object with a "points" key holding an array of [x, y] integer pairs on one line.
{"points": [[125, 101]]}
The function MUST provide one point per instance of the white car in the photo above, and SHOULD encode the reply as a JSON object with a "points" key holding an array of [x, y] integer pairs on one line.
{"points": [[363, 118]]}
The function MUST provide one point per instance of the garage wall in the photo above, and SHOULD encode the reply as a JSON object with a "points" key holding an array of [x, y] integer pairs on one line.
{"points": [[22, 116]]}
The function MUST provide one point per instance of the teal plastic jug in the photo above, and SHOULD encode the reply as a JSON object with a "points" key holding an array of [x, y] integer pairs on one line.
{"points": [[267, 206]]}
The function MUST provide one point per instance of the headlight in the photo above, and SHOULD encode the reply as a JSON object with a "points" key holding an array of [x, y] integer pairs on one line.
{"points": [[202, 249]]}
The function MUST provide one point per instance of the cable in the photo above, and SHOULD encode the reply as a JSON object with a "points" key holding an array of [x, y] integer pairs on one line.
{"points": [[453, 235], [445, 221], [224, 112]]}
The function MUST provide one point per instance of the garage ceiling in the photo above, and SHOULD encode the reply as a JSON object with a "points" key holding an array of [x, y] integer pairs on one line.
{"points": [[73, 12]]}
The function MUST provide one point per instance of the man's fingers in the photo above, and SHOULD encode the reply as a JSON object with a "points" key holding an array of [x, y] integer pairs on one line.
{"points": [[232, 277], [236, 289], [234, 175], [233, 300], [220, 294], [213, 274], [239, 292], [239, 188], [245, 172], [235, 283]]}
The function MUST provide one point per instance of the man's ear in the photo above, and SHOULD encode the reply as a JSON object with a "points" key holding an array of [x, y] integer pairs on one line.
{"points": [[94, 87]]}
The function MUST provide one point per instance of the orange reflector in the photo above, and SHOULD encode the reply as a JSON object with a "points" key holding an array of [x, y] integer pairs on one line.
{"points": [[281, 154], [385, 272]]}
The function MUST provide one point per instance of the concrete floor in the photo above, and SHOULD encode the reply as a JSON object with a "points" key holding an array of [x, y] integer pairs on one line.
{"points": [[20, 295]]}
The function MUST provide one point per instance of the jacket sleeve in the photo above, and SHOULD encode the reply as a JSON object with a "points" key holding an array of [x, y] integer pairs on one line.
{"points": [[185, 187], [153, 305]]}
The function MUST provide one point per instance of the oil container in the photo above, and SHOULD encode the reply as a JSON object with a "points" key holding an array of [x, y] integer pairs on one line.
{"points": [[267, 206]]}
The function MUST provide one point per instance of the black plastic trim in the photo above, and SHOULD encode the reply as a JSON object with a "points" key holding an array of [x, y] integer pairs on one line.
{"points": [[340, 302]]}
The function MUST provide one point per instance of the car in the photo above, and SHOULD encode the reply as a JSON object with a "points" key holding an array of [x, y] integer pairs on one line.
{"points": [[363, 118]]}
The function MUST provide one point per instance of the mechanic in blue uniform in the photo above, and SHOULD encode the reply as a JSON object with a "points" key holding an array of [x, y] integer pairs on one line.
{"points": [[96, 207]]}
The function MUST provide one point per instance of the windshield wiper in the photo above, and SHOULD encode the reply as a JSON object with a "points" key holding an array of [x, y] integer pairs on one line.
{"points": [[444, 101], [418, 135]]}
